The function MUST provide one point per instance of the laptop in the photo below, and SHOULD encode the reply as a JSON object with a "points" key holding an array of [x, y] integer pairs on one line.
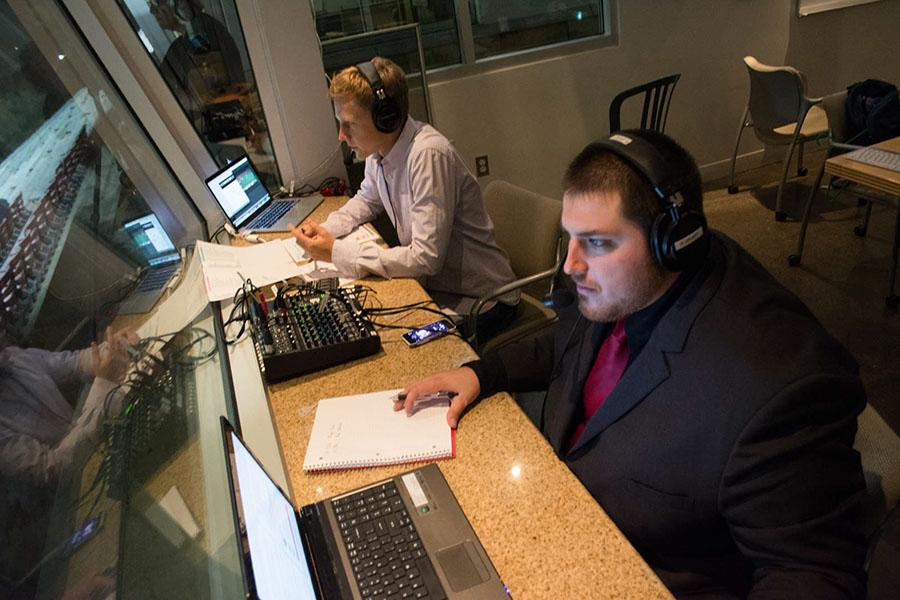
{"points": [[163, 262], [247, 204], [404, 537]]}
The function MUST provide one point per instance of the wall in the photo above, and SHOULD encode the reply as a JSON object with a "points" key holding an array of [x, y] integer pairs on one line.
{"points": [[541, 114]]}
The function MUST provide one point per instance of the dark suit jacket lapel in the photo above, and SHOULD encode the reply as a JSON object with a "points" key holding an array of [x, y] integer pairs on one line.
{"points": [[576, 365], [651, 367]]}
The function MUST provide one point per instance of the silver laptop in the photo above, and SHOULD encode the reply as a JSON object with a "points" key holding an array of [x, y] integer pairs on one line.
{"points": [[163, 262], [405, 537], [247, 203]]}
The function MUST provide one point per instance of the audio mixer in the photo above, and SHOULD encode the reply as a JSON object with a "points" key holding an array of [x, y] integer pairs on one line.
{"points": [[310, 330]]}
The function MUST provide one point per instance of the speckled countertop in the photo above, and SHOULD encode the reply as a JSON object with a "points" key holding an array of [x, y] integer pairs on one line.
{"points": [[544, 533]]}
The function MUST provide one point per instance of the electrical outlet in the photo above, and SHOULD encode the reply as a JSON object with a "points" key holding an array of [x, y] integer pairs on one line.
{"points": [[481, 166]]}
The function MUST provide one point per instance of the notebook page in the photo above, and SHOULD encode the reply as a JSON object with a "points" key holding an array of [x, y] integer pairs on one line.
{"points": [[365, 431]]}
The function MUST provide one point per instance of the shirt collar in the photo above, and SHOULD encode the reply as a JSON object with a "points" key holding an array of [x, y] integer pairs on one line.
{"points": [[401, 147], [639, 326]]}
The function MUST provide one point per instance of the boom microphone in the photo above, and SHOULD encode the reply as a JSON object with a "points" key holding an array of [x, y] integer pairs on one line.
{"points": [[559, 298]]}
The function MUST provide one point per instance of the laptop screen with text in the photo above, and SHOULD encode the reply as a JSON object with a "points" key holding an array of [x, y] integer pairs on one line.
{"points": [[239, 191]]}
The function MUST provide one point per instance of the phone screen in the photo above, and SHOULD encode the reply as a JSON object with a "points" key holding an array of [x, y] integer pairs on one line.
{"points": [[428, 332], [83, 534]]}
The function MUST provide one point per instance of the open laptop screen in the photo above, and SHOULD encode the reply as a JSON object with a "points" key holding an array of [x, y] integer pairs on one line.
{"points": [[151, 239], [238, 190], [278, 560]]}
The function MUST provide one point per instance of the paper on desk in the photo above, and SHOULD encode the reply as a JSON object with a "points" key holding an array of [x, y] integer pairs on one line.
{"points": [[319, 269], [181, 307], [226, 267]]}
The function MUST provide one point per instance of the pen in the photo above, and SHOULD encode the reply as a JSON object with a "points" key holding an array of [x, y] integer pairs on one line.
{"points": [[428, 397]]}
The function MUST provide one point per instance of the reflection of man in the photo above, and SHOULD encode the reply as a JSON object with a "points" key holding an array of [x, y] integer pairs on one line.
{"points": [[203, 60], [42, 438], [699, 402], [413, 173]]}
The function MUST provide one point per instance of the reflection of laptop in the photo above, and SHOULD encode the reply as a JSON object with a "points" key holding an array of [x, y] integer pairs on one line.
{"points": [[247, 204], [163, 261], [405, 537]]}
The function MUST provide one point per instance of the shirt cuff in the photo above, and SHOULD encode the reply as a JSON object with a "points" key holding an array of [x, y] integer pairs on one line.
{"points": [[491, 374], [345, 257]]}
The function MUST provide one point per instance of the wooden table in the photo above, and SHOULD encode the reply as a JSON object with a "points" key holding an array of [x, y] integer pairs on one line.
{"points": [[544, 532], [877, 178]]}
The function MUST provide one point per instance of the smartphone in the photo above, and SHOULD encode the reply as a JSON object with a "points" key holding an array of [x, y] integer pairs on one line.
{"points": [[86, 532], [429, 332]]}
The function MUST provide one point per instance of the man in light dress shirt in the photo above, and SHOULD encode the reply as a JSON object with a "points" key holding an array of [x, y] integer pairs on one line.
{"points": [[414, 174]]}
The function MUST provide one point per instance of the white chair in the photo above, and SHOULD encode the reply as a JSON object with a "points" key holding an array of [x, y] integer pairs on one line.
{"points": [[781, 114], [527, 227]]}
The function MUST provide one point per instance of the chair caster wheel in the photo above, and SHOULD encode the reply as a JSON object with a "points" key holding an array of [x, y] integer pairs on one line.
{"points": [[892, 301], [780, 216], [859, 231], [802, 172], [794, 260], [861, 202], [732, 189]]}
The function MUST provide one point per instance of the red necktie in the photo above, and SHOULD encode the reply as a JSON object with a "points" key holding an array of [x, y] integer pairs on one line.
{"points": [[605, 374]]}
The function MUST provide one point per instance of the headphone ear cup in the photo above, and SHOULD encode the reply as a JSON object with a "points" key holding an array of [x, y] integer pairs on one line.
{"points": [[386, 115], [680, 244]]}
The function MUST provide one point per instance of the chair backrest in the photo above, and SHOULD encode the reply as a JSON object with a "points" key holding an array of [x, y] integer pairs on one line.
{"points": [[526, 226], [776, 95], [835, 106], [655, 111]]}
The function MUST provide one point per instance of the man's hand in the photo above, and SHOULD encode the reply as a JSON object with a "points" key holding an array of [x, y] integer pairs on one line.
{"points": [[462, 381], [315, 239], [111, 361]]}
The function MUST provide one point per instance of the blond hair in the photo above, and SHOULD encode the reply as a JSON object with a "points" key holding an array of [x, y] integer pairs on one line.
{"points": [[350, 82]]}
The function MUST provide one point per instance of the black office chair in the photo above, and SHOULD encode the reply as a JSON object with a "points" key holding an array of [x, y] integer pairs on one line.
{"points": [[657, 97]]}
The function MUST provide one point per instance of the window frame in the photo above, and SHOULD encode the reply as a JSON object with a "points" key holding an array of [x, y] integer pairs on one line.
{"points": [[469, 65]]}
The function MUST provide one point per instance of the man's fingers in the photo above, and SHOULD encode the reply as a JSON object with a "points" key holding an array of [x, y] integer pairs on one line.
{"points": [[457, 405]]}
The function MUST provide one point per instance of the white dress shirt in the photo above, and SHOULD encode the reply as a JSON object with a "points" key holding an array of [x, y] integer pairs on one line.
{"points": [[446, 236]]}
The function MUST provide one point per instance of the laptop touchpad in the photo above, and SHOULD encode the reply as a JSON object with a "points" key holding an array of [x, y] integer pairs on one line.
{"points": [[462, 566]]}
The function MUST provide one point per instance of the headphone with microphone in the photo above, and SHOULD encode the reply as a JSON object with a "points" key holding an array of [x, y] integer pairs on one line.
{"points": [[678, 238], [386, 113]]}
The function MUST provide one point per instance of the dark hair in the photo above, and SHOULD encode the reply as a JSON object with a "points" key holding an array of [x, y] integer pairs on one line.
{"points": [[597, 169]]}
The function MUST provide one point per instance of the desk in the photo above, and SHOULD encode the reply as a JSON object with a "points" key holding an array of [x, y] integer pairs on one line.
{"points": [[883, 180], [544, 532]]}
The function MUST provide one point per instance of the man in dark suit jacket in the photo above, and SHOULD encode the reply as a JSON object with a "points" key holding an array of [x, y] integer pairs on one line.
{"points": [[724, 449]]}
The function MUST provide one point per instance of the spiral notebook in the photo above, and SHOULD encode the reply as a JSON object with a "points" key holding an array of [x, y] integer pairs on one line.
{"points": [[364, 431]]}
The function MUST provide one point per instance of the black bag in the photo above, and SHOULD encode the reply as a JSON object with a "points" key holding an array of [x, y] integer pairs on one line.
{"points": [[873, 112], [224, 120]]}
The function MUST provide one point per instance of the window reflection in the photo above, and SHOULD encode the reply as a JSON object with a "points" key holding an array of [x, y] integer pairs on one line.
{"points": [[200, 52], [82, 222]]}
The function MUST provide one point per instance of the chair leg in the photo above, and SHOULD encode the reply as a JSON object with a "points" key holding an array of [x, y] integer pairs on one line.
{"points": [[794, 259], [861, 230], [732, 189], [780, 215], [892, 300], [801, 172]]}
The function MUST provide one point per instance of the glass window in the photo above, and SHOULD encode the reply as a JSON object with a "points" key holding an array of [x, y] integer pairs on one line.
{"points": [[500, 27], [199, 49], [112, 473], [437, 18], [497, 26]]}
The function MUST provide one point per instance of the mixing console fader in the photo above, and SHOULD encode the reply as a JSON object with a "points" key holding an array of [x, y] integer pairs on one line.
{"points": [[311, 330]]}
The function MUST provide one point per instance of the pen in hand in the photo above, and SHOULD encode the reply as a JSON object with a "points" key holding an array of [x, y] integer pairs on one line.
{"points": [[442, 395]]}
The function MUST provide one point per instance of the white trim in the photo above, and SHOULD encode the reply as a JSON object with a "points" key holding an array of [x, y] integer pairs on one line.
{"points": [[811, 7]]}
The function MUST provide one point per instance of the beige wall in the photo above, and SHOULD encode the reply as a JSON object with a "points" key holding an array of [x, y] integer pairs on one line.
{"points": [[532, 119]]}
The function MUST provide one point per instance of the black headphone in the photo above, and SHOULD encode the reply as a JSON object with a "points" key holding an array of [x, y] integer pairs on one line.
{"points": [[678, 238], [386, 113]]}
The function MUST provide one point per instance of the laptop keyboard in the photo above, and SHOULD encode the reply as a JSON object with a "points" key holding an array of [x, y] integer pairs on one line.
{"points": [[385, 550], [155, 278], [271, 215]]}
